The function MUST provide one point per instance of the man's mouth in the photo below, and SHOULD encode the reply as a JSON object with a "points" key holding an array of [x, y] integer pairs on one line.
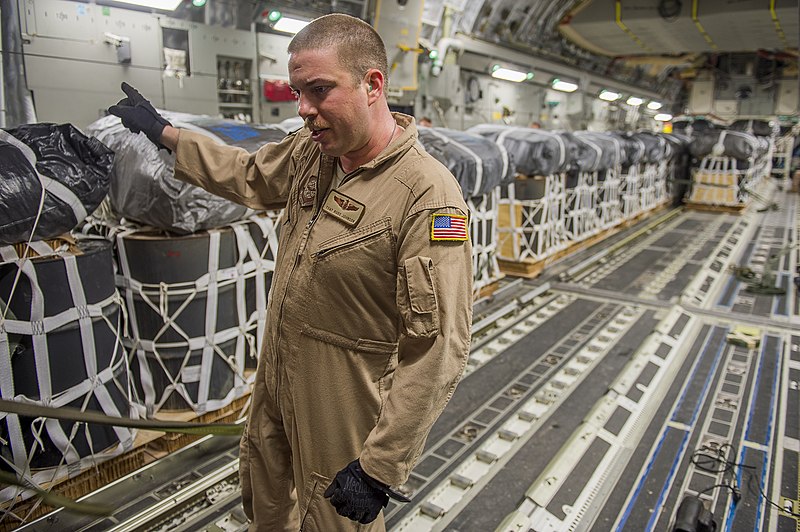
{"points": [[317, 134]]}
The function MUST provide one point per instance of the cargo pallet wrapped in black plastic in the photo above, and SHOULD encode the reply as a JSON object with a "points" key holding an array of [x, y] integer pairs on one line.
{"points": [[480, 166]]}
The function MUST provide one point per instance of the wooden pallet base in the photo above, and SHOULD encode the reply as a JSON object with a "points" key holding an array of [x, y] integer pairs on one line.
{"points": [[734, 209], [148, 447], [488, 290], [531, 269]]}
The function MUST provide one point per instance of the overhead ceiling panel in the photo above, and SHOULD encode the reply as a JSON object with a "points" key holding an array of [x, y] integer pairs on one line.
{"points": [[719, 25]]}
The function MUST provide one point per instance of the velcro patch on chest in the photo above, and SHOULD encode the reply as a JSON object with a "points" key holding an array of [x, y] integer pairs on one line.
{"points": [[344, 208], [449, 227]]}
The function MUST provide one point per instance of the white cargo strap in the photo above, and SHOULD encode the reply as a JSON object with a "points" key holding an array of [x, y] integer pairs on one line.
{"points": [[250, 263], [207, 358], [597, 150], [49, 184], [562, 156], [38, 327]]}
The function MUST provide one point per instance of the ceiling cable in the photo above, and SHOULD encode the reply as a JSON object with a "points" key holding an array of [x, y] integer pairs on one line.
{"points": [[618, 16], [702, 30], [777, 23]]}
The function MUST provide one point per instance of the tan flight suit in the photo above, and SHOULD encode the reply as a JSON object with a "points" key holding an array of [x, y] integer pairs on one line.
{"points": [[368, 325]]}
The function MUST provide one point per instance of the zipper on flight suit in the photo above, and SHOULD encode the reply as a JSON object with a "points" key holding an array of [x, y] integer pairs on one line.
{"points": [[300, 248]]}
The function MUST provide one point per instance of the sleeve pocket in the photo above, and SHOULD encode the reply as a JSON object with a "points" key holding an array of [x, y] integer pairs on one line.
{"points": [[417, 295]]}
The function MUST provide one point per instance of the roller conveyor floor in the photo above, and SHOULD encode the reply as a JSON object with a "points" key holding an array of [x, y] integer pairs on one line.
{"points": [[596, 398]]}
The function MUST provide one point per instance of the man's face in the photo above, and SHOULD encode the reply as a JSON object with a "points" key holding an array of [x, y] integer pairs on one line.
{"points": [[332, 104]]}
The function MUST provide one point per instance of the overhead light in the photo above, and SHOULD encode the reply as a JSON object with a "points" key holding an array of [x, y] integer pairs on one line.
{"points": [[609, 96], [663, 117], [654, 106], [564, 86], [274, 15], [289, 25], [509, 74], [198, 3], [164, 5], [634, 100]]}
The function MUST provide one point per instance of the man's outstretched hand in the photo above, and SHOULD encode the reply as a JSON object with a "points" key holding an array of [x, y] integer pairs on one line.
{"points": [[138, 114]]}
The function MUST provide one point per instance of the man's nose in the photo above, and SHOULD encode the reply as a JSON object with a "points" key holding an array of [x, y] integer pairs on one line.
{"points": [[305, 108]]}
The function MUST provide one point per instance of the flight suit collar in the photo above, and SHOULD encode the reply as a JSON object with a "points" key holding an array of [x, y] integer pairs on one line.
{"points": [[321, 171]]}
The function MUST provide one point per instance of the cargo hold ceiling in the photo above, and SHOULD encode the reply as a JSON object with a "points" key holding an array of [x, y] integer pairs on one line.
{"points": [[660, 27]]}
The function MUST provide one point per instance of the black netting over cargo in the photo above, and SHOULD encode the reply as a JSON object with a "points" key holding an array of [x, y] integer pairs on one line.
{"points": [[533, 151], [73, 169], [724, 143], [143, 186], [478, 163]]}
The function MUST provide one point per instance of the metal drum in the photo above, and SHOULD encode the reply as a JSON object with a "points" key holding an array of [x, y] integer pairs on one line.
{"points": [[197, 307], [60, 343]]}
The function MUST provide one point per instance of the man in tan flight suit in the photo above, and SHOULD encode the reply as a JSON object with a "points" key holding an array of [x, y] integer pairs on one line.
{"points": [[370, 310]]}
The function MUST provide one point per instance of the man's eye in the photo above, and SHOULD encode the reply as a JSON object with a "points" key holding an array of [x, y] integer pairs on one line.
{"points": [[322, 89]]}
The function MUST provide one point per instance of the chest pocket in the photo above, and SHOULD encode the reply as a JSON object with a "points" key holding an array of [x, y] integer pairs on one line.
{"points": [[374, 241], [352, 284]]}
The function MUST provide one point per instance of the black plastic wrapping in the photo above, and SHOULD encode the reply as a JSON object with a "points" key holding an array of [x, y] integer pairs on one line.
{"points": [[62, 153], [143, 186], [759, 128], [600, 151], [689, 126], [632, 148], [533, 151], [462, 152], [656, 148], [735, 144]]}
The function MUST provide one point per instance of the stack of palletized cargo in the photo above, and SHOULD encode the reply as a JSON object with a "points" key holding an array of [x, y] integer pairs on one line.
{"points": [[533, 207], [194, 270], [728, 163], [481, 167], [571, 187], [61, 319]]}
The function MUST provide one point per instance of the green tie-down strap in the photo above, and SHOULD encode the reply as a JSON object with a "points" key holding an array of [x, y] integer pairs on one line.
{"points": [[57, 501], [65, 413]]}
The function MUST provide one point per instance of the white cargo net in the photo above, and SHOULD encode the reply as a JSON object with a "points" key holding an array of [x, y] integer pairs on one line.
{"points": [[252, 263], [95, 386]]}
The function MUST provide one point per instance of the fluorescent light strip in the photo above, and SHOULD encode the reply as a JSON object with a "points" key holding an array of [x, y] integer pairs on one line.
{"points": [[663, 117], [633, 100], [509, 74], [289, 25], [564, 86], [164, 5], [654, 106], [609, 96]]}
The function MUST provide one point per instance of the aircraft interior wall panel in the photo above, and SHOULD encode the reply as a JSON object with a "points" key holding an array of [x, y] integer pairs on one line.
{"points": [[194, 94], [787, 98], [701, 97], [399, 25], [79, 93], [207, 42], [60, 29]]}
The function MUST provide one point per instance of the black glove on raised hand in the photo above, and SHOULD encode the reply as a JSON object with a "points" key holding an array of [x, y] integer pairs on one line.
{"points": [[138, 114], [358, 496]]}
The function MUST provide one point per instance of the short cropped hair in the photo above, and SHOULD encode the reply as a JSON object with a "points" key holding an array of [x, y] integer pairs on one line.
{"points": [[358, 45]]}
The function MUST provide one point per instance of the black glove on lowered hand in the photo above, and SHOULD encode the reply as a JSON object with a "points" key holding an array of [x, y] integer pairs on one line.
{"points": [[138, 114], [358, 496]]}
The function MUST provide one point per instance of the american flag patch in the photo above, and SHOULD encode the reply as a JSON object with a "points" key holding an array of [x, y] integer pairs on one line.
{"points": [[448, 227]]}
